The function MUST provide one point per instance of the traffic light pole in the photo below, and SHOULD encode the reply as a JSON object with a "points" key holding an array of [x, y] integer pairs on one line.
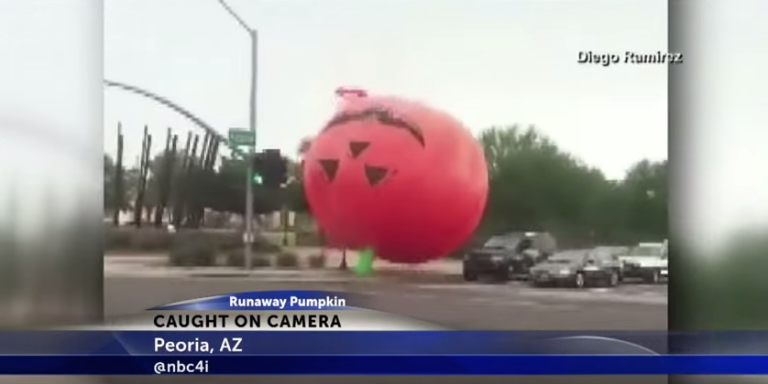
{"points": [[251, 152], [248, 235]]}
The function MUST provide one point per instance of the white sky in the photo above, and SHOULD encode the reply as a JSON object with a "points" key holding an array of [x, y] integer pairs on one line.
{"points": [[48, 111], [486, 62]]}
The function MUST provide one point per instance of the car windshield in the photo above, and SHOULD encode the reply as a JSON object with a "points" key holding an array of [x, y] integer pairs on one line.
{"points": [[567, 257], [501, 242], [611, 249], [647, 250]]}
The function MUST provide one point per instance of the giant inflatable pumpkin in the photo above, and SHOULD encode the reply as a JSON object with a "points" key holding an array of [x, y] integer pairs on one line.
{"points": [[397, 176]]}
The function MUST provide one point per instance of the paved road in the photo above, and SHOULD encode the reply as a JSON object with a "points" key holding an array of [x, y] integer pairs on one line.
{"points": [[456, 305]]}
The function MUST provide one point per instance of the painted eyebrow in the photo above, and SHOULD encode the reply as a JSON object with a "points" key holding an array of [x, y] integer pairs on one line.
{"points": [[381, 115]]}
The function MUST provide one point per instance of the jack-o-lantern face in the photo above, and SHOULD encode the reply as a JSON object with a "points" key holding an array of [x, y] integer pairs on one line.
{"points": [[374, 117], [384, 172]]}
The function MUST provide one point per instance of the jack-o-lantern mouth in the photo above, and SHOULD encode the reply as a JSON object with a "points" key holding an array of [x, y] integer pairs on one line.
{"points": [[373, 174]]}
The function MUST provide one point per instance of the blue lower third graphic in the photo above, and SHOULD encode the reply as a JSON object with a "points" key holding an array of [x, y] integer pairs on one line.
{"points": [[384, 365]]}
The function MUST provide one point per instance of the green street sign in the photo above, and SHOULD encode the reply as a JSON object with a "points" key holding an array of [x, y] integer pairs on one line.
{"points": [[241, 137]]}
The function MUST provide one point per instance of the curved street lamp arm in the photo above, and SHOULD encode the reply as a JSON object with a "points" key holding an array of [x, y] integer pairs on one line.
{"points": [[199, 122], [235, 16]]}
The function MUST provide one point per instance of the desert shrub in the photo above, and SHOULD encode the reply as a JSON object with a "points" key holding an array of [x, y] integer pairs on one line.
{"points": [[236, 258], [261, 261], [317, 261], [308, 239], [157, 239], [262, 245], [137, 239], [193, 252], [117, 238], [226, 241], [151, 239], [287, 260]]}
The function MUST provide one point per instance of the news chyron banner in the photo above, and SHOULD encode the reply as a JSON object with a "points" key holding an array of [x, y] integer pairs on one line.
{"points": [[270, 311], [332, 333]]}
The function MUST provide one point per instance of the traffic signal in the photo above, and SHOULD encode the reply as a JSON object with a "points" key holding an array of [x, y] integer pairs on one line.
{"points": [[258, 168], [270, 168]]}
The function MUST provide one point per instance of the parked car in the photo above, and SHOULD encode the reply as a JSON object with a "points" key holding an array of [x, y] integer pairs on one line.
{"points": [[578, 268], [508, 256], [648, 261], [614, 249]]}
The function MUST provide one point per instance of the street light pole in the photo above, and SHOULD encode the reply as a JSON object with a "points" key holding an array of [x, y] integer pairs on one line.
{"points": [[248, 236], [249, 179]]}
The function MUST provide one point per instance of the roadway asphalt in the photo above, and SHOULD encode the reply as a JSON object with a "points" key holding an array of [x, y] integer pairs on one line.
{"points": [[456, 305]]}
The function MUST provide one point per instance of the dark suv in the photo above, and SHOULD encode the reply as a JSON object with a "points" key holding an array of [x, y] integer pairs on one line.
{"points": [[508, 256]]}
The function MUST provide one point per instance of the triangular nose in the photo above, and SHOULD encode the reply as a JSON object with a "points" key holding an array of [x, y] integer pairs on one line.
{"points": [[357, 147], [375, 174], [330, 168]]}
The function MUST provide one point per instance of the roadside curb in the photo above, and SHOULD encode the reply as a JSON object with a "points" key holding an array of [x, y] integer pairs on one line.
{"points": [[135, 270], [438, 267], [214, 271], [261, 276]]}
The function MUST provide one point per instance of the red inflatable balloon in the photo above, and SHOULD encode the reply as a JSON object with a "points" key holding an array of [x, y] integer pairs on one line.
{"points": [[402, 178]]}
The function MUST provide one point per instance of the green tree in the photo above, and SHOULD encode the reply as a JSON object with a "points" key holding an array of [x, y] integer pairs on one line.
{"points": [[159, 176], [647, 189], [110, 200], [295, 197], [130, 185], [534, 185]]}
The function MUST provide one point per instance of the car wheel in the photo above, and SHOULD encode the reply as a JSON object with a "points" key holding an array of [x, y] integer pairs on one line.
{"points": [[510, 272], [613, 279], [653, 278], [580, 281], [469, 276]]}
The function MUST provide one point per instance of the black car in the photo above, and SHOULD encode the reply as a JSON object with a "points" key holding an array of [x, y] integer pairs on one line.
{"points": [[508, 256], [578, 268]]}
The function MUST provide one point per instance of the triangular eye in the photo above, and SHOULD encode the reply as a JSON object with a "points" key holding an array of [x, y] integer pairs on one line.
{"points": [[375, 175], [357, 147], [330, 168]]}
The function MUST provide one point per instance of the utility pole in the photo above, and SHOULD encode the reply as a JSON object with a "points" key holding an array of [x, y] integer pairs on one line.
{"points": [[248, 235]]}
